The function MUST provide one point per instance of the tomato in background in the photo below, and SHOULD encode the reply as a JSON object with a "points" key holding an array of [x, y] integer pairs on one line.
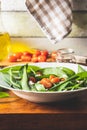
{"points": [[54, 54], [26, 53], [37, 56], [34, 59], [50, 60], [12, 58], [25, 58], [41, 58], [44, 53], [37, 53], [18, 55]]}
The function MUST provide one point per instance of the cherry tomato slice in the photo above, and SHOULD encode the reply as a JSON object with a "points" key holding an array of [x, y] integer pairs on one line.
{"points": [[12, 58], [41, 58], [26, 53], [18, 54], [54, 54], [44, 53], [46, 82], [55, 80], [34, 59], [37, 53], [26, 58]]}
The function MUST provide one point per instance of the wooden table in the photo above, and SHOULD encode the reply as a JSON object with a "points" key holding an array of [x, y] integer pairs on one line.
{"points": [[19, 114]]}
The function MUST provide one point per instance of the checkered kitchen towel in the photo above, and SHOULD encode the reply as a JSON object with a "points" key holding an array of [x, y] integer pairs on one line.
{"points": [[53, 16]]}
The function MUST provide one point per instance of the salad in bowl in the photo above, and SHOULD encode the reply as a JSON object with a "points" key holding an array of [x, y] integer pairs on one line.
{"points": [[45, 82]]}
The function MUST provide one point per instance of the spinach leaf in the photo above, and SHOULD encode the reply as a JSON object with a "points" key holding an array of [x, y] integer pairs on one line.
{"points": [[32, 68], [14, 82], [68, 71], [80, 69], [24, 80], [6, 69], [39, 87], [62, 72]]}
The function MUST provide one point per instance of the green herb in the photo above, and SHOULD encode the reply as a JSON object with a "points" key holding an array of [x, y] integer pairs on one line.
{"points": [[58, 71], [13, 80], [24, 80], [80, 69], [17, 77]]}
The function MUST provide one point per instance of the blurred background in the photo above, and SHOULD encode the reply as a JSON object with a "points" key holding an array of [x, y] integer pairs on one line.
{"points": [[23, 28]]}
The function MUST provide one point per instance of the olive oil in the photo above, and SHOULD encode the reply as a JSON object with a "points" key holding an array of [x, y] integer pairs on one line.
{"points": [[20, 46], [4, 45], [4, 39]]}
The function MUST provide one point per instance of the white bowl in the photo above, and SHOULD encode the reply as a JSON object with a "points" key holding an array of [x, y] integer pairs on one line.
{"points": [[44, 97]]}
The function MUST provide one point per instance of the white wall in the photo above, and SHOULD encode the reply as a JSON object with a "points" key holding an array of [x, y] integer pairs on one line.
{"points": [[21, 26], [20, 5]]}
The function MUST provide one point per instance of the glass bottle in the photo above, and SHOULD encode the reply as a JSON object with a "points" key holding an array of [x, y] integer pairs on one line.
{"points": [[65, 55], [4, 39]]}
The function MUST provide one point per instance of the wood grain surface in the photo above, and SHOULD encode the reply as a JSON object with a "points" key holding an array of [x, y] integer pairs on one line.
{"points": [[19, 114]]}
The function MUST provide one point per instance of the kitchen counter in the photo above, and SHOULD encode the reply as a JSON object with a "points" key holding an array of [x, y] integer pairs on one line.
{"points": [[17, 113]]}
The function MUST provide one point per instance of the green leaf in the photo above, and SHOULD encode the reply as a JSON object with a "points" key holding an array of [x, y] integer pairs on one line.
{"points": [[80, 69], [3, 94], [62, 86], [24, 80], [68, 71], [58, 71], [6, 69], [82, 74], [13, 81], [32, 68], [40, 87]]}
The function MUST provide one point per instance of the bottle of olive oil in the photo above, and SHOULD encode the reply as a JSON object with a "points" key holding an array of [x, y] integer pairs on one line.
{"points": [[4, 39], [4, 45]]}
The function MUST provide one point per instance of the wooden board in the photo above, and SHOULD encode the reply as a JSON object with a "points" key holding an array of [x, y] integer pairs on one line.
{"points": [[6, 63]]}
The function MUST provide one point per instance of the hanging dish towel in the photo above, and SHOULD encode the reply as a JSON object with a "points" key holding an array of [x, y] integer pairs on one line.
{"points": [[53, 16]]}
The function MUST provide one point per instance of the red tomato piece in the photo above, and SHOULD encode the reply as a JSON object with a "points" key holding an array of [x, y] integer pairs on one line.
{"points": [[41, 58], [44, 53], [50, 60], [55, 80], [26, 53], [37, 53], [54, 54], [52, 76], [18, 55], [46, 82], [34, 59], [26, 58], [12, 58]]}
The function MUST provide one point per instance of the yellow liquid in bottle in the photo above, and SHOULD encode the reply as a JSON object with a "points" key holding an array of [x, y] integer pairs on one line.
{"points": [[19, 46], [4, 45]]}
